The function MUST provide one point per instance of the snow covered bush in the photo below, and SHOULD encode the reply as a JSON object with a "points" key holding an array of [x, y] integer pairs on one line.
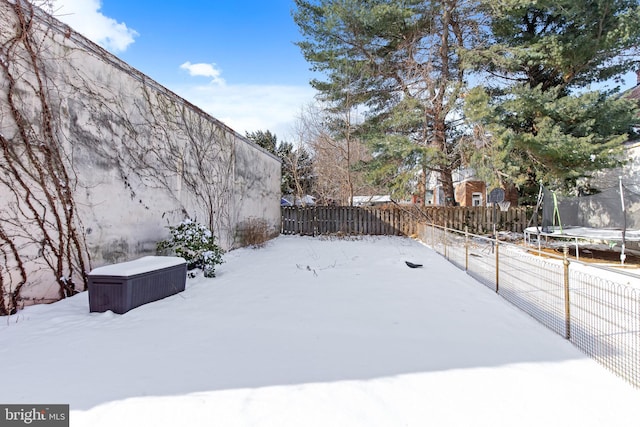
{"points": [[196, 244]]}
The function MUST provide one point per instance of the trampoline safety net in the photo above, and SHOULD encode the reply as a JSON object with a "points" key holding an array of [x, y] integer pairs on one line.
{"points": [[601, 210]]}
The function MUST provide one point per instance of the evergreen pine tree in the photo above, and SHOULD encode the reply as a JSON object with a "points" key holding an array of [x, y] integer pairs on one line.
{"points": [[539, 120]]}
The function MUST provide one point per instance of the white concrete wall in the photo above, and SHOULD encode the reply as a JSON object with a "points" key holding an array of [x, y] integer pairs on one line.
{"points": [[141, 157], [630, 171]]}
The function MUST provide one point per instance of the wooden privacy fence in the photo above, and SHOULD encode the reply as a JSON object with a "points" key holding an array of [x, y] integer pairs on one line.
{"points": [[398, 220], [479, 219], [318, 220]]}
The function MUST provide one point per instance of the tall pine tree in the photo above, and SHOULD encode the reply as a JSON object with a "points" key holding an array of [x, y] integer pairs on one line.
{"points": [[264, 139], [402, 60], [539, 120]]}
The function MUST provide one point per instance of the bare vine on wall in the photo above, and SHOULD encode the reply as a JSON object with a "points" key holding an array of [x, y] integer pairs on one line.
{"points": [[198, 154], [39, 224], [53, 111], [164, 143]]}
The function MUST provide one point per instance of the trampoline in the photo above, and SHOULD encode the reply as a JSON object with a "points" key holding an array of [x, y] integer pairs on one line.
{"points": [[610, 216], [580, 235]]}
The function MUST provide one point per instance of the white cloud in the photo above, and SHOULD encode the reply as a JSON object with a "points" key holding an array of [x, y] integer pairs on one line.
{"points": [[84, 16], [249, 108], [244, 108], [204, 70]]}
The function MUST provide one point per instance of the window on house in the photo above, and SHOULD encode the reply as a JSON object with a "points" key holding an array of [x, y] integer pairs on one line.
{"points": [[476, 199]]}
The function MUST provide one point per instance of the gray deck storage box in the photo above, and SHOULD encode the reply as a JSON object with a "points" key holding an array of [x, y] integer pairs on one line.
{"points": [[121, 287]]}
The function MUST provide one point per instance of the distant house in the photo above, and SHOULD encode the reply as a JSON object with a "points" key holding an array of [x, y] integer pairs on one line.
{"points": [[470, 191], [371, 200], [630, 171], [291, 200], [634, 92]]}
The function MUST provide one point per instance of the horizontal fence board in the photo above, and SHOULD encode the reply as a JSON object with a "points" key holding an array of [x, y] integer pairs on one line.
{"points": [[399, 220]]}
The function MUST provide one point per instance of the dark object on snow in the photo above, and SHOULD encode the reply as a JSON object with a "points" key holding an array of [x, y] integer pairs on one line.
{"points": [[412, 265], [122, 287]]}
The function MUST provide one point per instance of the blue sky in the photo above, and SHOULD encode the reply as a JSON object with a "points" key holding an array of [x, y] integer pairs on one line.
{"points": [[236, 59]]}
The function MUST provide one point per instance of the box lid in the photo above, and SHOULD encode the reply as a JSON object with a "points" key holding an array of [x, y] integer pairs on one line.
{"points": [[138, 266]]}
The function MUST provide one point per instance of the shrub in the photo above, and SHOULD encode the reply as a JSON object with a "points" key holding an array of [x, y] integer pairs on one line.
{"points": [[253, 232], [196, 244]]}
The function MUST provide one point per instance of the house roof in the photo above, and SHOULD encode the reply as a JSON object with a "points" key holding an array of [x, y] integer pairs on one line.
{"points": [[634, 92], [358, 200]]}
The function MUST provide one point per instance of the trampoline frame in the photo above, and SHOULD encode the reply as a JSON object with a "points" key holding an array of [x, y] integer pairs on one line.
{"points": [[583, 233]]}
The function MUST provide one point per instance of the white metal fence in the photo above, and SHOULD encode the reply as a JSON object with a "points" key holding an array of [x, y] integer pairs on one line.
{"points": [[599, 314]]}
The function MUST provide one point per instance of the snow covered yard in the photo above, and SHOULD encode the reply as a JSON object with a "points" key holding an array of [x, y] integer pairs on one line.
{"points": [[311, 332]]}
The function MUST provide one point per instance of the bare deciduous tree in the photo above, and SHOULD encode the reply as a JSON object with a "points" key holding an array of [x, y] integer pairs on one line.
{"points": [[337, 149]]}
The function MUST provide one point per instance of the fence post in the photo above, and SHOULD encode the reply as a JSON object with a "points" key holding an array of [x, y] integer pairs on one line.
{"points": [[497, 262], [314, 219], [444, 239], [567, 304], [466, 248], [433, 235]]}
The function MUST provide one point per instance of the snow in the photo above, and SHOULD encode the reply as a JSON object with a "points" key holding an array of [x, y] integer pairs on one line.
{"points": [[311, 332], [138, 266]]}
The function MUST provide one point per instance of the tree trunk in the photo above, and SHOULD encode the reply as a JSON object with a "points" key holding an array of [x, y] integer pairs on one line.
{"points": [[446, 180], [445, 168]]}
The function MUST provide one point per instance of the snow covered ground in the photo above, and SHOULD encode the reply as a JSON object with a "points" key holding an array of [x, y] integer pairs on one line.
{"points": [[311, 332]]}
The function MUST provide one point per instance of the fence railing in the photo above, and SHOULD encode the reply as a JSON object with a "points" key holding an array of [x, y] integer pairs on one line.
{"points": [[398, 220], [596, 313]]}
